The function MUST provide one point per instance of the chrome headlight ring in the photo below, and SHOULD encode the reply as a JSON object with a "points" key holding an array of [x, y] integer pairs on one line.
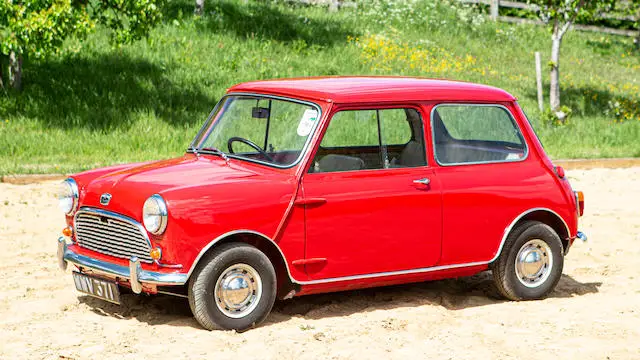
{"points": [[68, 196], [155, 214]]}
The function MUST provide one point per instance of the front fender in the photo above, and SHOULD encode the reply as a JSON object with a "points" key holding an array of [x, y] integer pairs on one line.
{"points": [[202, 213]]}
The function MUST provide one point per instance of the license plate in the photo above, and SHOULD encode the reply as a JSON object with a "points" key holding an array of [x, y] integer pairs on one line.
{"points": [[102, 289]]}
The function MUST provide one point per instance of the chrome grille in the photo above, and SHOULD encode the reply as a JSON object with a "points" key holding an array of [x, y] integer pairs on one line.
{"points": [[112, 234]]}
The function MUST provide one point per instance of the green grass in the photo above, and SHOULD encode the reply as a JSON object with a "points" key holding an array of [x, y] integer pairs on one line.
{"points": [[94, 105]]}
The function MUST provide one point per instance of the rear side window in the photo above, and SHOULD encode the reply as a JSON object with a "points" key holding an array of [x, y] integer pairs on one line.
{"points": [[466, 133]]}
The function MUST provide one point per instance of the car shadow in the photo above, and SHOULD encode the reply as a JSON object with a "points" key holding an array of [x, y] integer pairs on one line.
{"points": [[452, 294], [152, 310]]}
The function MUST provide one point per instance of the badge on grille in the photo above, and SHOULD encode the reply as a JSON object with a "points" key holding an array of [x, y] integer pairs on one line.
{"points": [[105, 198]]}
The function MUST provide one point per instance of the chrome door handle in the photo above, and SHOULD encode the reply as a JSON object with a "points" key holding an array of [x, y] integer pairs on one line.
{"points": [[424, 181]]}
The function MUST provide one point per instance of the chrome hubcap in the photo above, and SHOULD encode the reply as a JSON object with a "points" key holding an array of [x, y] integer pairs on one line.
{"points": [[238, 290], [534, 263]]}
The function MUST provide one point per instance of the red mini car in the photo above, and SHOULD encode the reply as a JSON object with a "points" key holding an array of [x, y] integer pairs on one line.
{"points": [[304, 186]]}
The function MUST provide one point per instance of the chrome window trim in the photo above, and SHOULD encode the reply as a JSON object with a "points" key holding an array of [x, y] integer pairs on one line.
{"points": [[507, 230], [304, 149], [513, 120]]}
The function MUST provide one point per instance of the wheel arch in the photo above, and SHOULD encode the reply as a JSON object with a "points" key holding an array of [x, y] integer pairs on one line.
{"points": [[543, 215], [262, 243]]}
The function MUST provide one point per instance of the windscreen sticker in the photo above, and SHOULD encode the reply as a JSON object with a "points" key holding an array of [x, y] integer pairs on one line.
{"points": [[306, 123]]}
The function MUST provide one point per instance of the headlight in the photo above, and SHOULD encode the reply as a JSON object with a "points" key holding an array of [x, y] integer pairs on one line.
{"points": [[154, 214], [68, 196]]}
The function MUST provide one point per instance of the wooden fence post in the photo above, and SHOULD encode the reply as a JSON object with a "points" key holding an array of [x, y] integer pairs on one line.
{"points": [[539, 82], [334, 5], [495, 9]]}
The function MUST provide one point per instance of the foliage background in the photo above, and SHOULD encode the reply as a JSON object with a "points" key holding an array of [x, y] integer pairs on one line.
{"points": [[95, 104]]}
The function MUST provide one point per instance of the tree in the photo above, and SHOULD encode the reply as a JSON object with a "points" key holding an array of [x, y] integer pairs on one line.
{"points": [[38, 28], [560, 15]]}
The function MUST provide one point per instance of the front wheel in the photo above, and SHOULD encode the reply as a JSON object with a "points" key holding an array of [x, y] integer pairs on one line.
{"points": [[531, 262], [234, 288]]}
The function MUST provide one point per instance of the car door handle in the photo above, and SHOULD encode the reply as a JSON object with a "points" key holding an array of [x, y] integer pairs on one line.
{"points": [[310, 201], [424, 181]]}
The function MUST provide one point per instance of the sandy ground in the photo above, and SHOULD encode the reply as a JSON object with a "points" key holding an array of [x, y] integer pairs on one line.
{"points": [[593, 314]]}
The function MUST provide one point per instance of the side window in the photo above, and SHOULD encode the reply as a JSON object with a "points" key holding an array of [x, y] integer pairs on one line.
{"points": [[352, 129], [476, 134], [371, 139], [393, 123]]}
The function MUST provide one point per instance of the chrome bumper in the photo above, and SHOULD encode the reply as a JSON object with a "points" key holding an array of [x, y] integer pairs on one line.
{"points": [[134, 272]]}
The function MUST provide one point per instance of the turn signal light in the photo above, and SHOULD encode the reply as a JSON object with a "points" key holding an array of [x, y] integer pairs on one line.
{"points": [[560, 171], [580, 202], [68, 231], [155, 253]]}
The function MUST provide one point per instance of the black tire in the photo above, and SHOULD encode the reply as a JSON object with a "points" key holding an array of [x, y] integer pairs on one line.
{"points": [[203, 281], [505, 274]]}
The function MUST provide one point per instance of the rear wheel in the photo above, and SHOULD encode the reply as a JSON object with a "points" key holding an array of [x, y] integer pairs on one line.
{"points": [[531, 262], [233, 289]]}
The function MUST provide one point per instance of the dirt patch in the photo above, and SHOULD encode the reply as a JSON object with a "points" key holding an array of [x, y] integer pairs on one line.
{"points": [[593, 314]]}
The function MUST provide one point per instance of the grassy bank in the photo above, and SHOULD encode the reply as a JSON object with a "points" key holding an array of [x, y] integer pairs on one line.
{"points": [[95, 105]]}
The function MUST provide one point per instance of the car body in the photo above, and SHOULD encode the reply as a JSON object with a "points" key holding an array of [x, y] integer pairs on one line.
{"points": [[385, 180]]}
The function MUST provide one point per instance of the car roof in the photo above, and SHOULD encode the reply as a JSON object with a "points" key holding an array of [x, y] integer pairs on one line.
{"points": [[357, 89]]}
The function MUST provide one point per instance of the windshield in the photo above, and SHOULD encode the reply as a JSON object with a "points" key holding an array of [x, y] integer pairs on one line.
{"points": [[258, 128]]}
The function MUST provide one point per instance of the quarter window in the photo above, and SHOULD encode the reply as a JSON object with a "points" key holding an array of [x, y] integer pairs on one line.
{"points": [[371, 139], [476, 134]]}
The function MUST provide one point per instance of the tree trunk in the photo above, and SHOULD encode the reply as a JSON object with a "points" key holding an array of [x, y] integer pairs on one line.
{"points": [[554, 92], [199, 10], [15, 70]]}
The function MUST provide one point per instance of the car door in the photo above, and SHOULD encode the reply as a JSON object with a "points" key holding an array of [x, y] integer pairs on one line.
{"points": [[372, 204]]}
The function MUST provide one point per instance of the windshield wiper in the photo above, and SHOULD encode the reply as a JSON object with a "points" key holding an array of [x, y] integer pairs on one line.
{"points": [[215, 151]]}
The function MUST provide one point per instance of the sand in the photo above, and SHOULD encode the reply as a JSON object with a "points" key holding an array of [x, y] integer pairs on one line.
{"points": [[593, 314]]}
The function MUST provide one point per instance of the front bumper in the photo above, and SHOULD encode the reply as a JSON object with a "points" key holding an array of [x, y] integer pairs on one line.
{"points": [[133, 273]]}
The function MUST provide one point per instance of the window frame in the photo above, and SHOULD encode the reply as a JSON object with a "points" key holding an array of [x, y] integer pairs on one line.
{"points": [[511, 117], [355, 107]]}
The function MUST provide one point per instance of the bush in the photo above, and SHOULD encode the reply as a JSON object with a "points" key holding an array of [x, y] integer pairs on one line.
{"points": [[557, 118]]}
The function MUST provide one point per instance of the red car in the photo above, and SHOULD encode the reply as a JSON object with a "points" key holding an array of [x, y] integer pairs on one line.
{"points": [[304, 186]]}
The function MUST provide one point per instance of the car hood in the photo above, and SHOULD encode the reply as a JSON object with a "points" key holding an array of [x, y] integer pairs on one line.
{"points": [[130, 187]]}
